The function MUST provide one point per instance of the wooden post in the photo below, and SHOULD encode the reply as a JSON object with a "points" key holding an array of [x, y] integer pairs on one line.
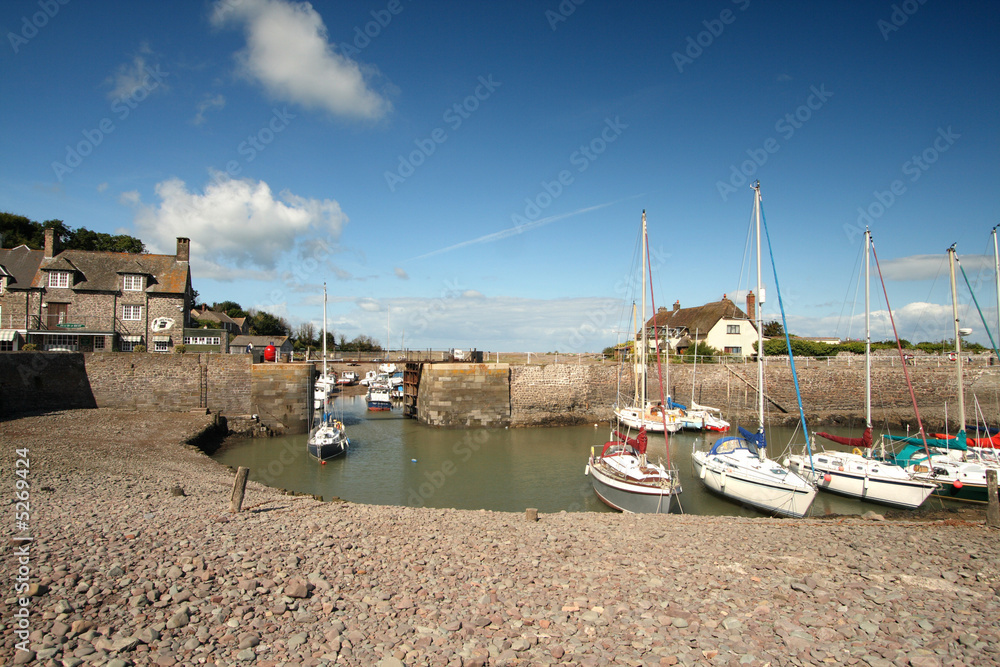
{"points": [[993, 508], [531, 514], [239, 487]]}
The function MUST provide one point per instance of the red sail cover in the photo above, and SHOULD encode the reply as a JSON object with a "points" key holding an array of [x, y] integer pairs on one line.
{"points": [[993, 442], [638, 442], [864, 442]]}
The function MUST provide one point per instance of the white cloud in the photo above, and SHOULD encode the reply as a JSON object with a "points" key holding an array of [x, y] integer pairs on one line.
{"points": [[102, 187], [216, 102], [131, 78], [400, 273], [288, 53], [929, 267], [234, 224]]}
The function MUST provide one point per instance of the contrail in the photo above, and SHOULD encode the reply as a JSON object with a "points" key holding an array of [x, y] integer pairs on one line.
{"points": [[519, 229]]}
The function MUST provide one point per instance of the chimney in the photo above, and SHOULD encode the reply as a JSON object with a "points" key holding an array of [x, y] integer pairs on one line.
{"points": [[50, 240], [677, 305], [183, 249], [751, 306]]}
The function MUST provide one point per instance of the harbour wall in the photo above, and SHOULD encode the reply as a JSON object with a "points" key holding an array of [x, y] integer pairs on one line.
{"points": [[33, 382]]}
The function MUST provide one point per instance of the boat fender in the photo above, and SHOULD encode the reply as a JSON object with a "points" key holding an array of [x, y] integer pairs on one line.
{"points": [[957, 484], [702, 474], [586, 470], [827, 478], [722, 480], [857, 452], [840, 468]]}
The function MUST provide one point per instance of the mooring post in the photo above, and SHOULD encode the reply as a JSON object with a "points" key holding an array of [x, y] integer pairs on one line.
{"points": [[531, 514], [239, 488], [993, 508]]}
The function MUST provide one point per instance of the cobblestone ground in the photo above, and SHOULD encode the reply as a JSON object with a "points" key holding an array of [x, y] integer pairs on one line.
{"points": [[137, 561]]}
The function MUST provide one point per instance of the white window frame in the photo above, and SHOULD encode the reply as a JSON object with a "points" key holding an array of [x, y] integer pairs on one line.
{"points": [[130, 280], [161, 346], [131, 309], [733, 329], [734, 349], [58, 278]]}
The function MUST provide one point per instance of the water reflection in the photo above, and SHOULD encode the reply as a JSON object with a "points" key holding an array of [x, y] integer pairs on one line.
{"points": [[398, 461]]}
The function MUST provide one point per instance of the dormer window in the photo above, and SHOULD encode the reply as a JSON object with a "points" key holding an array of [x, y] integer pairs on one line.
{"points": [[58, 278], [132, 282]]}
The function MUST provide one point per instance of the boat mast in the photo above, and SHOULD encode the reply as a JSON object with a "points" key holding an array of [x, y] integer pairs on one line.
{"points": [[324, 338], [642, 403], [694, 369], [868, 334], [757, 315], [996, 272], [958, 340]]}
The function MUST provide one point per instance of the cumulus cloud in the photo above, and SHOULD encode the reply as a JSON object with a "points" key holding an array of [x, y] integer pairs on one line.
{"points": [[216, 102], [929, 267], [288, 53], [135, 77], [234, 224]]}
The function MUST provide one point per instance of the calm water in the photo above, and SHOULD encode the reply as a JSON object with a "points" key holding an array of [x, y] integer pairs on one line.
{"points": [[398, 461]]}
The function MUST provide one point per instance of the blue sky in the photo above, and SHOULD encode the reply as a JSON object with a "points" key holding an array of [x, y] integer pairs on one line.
{"points": [[475, 173]]}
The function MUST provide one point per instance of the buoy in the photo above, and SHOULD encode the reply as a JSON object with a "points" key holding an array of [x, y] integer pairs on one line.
{"points": [[827, 477], [957, 484], [413, 460], [322, 463]]}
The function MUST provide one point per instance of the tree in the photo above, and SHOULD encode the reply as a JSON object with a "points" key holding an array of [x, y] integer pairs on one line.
{"points": [[773, 329], [18, 230], [263, 323]]}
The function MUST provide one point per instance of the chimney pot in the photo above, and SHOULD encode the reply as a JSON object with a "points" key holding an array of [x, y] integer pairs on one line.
{"points": [[677, 305], [183, 249], [50, 241]]}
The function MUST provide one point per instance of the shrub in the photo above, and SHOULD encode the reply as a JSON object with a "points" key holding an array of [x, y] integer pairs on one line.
{"points": [[180, 349], [30, 347], [139, 348]]}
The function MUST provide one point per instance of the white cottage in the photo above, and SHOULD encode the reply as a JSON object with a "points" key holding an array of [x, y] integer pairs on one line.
{"points": [[720, 324]]}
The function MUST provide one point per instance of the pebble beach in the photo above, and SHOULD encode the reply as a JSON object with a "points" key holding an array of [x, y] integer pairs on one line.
{"points": [[137, 560]]}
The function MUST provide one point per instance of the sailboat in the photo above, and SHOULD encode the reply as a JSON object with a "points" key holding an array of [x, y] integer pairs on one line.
{"points": [[697, 417], [328, 438], [737, 467], [642, 414], [956, 477], [859, 473], [622, 476]]}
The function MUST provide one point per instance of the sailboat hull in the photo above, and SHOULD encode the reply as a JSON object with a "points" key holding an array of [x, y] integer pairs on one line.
{"points": [[629, 496], [855, 476], [785, 495]]}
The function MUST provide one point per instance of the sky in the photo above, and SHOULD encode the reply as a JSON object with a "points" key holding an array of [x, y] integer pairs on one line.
{"points": [[473, 174]]}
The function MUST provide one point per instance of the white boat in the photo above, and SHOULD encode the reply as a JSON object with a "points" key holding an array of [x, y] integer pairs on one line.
{"points": [[347, 378], [325, 386], [622, 476], [368, 378], [862, 472], [653, 418], [737, 467], [378, 397], [328, 437]]}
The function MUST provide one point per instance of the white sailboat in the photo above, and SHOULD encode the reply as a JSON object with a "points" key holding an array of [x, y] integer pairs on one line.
{"points": [[622, 476], [737, 467], [328, 438], [863, 473]]}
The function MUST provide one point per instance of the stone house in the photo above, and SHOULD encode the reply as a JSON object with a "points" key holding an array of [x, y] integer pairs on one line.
{"points": [[86, 301], [720, 324], [234, 326], [18, 267]]}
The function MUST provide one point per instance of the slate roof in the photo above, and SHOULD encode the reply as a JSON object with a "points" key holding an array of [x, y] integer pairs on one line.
{"points": [[698, 318], [258, 341], [99, 271], [213, 316], [21, 265]]}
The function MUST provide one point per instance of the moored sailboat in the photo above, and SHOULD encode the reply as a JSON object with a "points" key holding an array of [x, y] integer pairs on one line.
{"points": [[328, 438], [737, 467], [621, 474], [858, 473]]}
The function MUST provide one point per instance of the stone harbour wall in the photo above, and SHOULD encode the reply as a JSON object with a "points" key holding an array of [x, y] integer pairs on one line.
{"points": [[562, 394], [282, 394], [464, 395]]}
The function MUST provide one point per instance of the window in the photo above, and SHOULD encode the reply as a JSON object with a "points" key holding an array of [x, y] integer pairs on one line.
{"points": [[202, 340], [6, 346], [61, 343], [99, 342], [160, 346], [734, 350], [732, 329], [132, 282], [58, 278], [132, 313], [129, 345]]}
